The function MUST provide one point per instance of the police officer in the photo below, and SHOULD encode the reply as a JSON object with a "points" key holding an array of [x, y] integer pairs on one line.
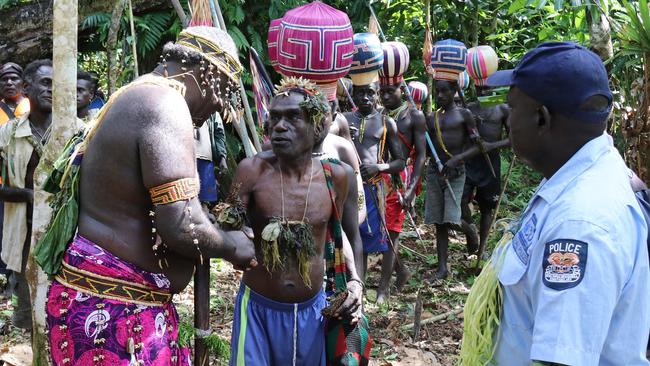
{"points": [[575, 276]]}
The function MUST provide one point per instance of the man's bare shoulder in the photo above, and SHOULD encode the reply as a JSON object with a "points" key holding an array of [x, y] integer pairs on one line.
{"points": [[417, 116], [259, 163], [158, 103]]}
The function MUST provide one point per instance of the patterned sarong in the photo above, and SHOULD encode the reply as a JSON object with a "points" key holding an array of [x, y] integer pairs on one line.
{"points": [[97, 328]]}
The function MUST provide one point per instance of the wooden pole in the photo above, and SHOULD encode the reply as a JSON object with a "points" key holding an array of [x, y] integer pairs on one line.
{"points": [[181, 13], [418, 317], [134, 45], [244, 96], [201, 312], [64, 118]]}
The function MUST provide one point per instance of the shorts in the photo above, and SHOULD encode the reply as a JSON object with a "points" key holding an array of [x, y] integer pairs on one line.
{"points": [[271, 333], [373, 236], [439, 207], [208, 192], [394, 211], [486, 196]]}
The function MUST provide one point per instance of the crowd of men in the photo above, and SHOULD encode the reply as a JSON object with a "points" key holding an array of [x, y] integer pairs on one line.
{"points": [[145, 221]]}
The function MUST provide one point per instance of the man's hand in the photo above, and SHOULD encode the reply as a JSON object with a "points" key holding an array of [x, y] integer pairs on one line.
{"points": [[450, 165], [351, 307], [244, 256], [369, 171], [409, 196], [222, 166]]}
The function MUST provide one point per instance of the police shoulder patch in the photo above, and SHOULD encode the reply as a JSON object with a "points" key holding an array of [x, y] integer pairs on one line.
{"points": [[564, 263]]}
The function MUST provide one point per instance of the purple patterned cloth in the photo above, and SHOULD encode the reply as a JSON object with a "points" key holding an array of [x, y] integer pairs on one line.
{"points": [[85, 329]]}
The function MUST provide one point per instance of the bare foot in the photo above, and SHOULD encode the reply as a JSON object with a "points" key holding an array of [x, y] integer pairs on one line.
{"points": [[442, 273], [382, 296], [403, 277]]}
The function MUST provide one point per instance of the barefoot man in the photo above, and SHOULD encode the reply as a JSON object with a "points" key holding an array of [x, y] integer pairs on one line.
{"points": [[141, 228], [449, 128], [411, 127], [373, 133], [290, 203]]}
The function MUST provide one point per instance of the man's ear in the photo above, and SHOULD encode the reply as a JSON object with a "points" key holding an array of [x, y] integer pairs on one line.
{"points": [[26, 88], [544, 118]]}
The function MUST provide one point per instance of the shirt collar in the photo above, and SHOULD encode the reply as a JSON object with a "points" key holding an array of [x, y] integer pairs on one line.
{"points": [[582, 160], [23, 129]]}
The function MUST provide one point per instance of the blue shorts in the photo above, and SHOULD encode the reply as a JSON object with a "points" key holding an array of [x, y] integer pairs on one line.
{"points": [[373, 235], [208, 192], [270, 333]]}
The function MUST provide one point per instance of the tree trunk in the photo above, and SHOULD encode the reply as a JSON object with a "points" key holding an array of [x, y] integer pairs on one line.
{"points": [[111, 43], [600, 33], [64, 116]]}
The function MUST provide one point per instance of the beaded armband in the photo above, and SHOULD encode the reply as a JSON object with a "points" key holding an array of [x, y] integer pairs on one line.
{"points": [[178, 190]]}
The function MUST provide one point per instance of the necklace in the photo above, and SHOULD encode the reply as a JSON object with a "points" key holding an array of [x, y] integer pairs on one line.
{"points": [[397, 111], [439, 133], [311, 177], [362, 125]]}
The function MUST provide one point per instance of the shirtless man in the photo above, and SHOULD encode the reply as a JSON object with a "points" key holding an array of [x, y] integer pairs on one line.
{"points": [[449, 128], [373, 132], [278, 317], [492, 122], [328, 145], [411, 129], [339, 125], [141, 228]]}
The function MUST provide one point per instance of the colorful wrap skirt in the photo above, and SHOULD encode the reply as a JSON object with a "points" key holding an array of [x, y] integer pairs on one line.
{"points": [[102, 310]]}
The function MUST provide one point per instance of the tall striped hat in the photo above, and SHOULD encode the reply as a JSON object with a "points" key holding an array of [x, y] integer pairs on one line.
{"points": [[463, 80], [367, 60], [419, 91], [482, 61], [272, 42], [396, 62], [449, 58], [315, 42]]}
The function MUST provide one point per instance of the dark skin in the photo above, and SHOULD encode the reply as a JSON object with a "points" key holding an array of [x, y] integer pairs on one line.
{"points": [[492, 121], [367, 146], [411, 126], [351, 216], [545, 141], [456, 124], [11, 89], [149, 134], [39, 92], [292, 141], [339, 125], [85, 92]]}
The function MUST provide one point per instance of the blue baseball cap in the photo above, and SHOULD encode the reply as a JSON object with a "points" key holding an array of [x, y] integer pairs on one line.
{"points": [[561, 76]]}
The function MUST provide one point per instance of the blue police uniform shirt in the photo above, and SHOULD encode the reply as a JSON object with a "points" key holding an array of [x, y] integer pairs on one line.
{"points": [[575, 276]]}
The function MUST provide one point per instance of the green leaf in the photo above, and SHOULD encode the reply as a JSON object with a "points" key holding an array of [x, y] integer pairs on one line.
{"points": [[516, 5]]}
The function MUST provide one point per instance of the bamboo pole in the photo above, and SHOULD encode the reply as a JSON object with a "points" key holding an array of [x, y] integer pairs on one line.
{"points": [[64, 116], [244, 96], [111, 44], [181, 13], [134, 48]]}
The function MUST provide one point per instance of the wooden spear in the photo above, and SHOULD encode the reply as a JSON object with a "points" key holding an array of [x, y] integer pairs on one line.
{"points": [[216, 8]]}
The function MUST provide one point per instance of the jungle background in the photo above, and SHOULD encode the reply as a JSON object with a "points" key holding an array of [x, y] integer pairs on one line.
{"points": [[617, 30]]}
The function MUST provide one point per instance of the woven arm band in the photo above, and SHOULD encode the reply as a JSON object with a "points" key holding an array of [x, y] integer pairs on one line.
{"points": [[178, 190]]}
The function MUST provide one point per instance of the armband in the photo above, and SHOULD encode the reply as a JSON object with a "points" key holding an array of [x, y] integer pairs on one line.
{"points": [[178, 190]]}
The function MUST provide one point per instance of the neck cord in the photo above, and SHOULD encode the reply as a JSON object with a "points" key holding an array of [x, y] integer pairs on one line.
{"points": [[311, 177]]}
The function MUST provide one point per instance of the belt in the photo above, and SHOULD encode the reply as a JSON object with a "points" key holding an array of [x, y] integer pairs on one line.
{"points": [[110, 288]]}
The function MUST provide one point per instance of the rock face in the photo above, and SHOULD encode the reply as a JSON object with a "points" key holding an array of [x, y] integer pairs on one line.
{"points": [[26, 29]]}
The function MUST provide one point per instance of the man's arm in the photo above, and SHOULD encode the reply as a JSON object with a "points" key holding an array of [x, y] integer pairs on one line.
{"points": [[419, 141], [8, 193], [396, 165], [166, 149], [350, 223]]}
